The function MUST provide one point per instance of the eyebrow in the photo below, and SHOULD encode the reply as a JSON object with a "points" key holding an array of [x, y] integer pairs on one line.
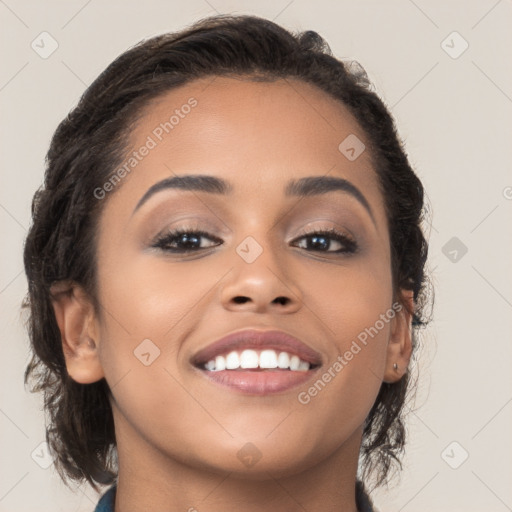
{"points": [[317, 185], [304, 187]]}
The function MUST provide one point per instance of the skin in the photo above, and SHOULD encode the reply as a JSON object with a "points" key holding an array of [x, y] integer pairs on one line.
{"points": [[178, 434]]}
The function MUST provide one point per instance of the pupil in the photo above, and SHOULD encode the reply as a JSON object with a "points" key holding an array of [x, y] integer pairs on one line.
{"points": [[189, 240], [319, 241]]}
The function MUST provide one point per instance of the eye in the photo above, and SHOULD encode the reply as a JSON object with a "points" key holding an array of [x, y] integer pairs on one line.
{"points": [[328, 240], [186, 240]]}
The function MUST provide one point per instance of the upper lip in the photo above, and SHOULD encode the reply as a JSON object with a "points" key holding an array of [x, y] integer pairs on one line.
{"points": [[256, 339]]}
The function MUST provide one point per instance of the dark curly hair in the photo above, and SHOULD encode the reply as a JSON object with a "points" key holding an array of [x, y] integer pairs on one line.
{"points": [[92, 141]]}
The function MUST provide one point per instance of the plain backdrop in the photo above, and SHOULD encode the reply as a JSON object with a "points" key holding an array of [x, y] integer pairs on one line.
{"points": [[443, 68]]}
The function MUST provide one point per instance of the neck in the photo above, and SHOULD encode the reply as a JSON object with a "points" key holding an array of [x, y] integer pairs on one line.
{"points": [[150, 480]]}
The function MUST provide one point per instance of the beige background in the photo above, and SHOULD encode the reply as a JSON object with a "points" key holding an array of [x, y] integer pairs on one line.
{"points": [[455, 117]]}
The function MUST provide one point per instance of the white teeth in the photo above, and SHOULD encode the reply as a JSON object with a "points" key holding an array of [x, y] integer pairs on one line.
{"points": [[303, 366], [251, 359], [268, 359], [220, 363], [283, 361], [294, 363], [232, 361]]}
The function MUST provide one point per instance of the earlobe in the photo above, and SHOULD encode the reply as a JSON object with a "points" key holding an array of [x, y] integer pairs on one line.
{"points": [[400, 344], [75, 318]]}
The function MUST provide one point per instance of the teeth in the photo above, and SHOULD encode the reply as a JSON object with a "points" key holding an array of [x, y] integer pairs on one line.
{"points": [[294, 363], [251, 359], [220, 363], [283, 361], [303, 366], [268, 359], [232, 361]]}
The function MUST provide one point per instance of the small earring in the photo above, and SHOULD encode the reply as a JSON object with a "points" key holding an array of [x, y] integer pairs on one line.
{"points": [[395, 367]]}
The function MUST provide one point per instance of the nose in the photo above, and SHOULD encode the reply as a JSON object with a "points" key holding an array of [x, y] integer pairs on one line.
{"points": [[262, 286]]}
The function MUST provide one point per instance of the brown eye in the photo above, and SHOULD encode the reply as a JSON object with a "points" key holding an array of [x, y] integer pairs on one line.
{"points": [[330, 241], [183, 240]]}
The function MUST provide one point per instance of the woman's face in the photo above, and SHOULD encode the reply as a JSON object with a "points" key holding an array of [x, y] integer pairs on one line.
{"points": [[160, 307]]}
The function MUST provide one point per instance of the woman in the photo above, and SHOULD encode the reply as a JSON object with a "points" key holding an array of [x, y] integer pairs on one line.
{"points": [[226, 272]]}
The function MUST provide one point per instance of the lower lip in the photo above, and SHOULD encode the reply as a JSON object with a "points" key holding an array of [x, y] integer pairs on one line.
{"points": [[259, 382]]}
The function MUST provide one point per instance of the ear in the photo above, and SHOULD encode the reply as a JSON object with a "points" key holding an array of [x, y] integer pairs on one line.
{"points": [[76, 319], [400, 343]]}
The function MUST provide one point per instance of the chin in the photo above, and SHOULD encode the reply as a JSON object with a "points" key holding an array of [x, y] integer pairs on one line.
{"points": [[259, 460]]}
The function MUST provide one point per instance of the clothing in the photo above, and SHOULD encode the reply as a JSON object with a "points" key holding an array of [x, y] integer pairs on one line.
{"points": [[363, 502], [106, 503]]}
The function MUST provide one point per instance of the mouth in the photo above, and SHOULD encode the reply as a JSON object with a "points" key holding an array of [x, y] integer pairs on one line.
{"points": [[258, 362]]}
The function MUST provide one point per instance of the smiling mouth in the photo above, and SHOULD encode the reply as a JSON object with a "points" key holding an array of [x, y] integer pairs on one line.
{"points": [[258, 372], [257, 360]]}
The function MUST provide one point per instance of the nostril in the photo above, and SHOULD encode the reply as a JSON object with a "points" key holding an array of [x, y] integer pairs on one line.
{"points": [[281, 300], [240, 300]]}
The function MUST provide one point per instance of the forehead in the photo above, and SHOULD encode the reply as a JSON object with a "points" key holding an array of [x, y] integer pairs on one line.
{"points": [[250, 134]]}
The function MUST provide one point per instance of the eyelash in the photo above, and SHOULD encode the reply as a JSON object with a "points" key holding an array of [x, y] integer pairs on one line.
{"points": [[163, 241]]}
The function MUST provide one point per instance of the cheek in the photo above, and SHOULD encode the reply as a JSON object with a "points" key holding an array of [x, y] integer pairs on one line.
{"points": [[147, 296], [150, 310], [149, 307], [355, 309], [348, 298]]}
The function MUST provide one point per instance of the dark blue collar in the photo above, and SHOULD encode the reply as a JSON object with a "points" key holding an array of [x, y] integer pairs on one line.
{"points": [[106, 503]]}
